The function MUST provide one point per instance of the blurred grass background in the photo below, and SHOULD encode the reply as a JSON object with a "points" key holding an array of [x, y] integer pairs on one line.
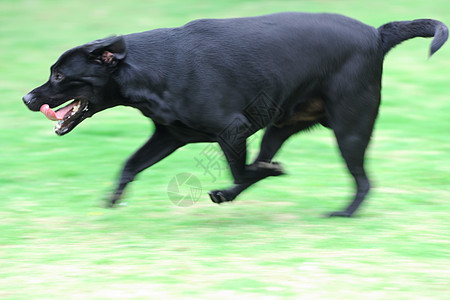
{"points": [[57, 241]]}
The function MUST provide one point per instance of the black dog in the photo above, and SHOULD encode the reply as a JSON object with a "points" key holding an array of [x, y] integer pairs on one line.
{"points": [[222, 80]]}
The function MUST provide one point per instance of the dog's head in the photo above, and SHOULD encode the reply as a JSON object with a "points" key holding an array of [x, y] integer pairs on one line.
{"points": [[82, 76]]}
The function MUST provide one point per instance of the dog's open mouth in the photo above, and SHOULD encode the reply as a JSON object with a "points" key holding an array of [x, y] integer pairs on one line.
{"points": [[68, 116]]}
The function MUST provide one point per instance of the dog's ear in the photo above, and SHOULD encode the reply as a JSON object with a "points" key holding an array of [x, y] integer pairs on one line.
{"points": [[107, 51]]}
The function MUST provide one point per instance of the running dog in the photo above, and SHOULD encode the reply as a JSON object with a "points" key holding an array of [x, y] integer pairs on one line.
{"points": [[221, 80]]}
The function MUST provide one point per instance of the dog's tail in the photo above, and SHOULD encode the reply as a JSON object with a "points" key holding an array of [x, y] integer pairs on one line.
{"points": [[394, 33]]}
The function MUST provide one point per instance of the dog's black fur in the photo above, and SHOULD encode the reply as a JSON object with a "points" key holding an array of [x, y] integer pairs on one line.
{"points": [[206, 82]]}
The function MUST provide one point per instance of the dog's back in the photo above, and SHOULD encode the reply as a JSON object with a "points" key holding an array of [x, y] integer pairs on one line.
{"points": [[261, 45], [276, 53]]}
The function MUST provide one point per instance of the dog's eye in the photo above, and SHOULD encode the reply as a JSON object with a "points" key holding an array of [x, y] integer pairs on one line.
{"points": [[59, 76]]}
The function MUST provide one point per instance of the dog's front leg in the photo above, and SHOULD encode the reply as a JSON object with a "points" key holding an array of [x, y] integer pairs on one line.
{"points": [[273, 139], [160, 145], [232, 140], [247, 174]]}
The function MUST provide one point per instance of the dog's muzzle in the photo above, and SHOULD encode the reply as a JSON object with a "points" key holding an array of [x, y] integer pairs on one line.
{"points": [[29, 99]]}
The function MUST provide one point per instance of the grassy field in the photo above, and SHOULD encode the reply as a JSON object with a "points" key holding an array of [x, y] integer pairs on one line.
{"points": [[57, 241]]}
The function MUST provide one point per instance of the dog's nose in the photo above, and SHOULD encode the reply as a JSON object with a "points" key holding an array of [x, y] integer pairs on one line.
{"points": [[28, 98]]}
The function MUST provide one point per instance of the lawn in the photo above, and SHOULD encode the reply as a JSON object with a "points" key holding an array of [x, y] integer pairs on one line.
{"points": [[56, 239]]}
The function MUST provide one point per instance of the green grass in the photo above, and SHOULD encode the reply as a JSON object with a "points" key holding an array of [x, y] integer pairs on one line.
{"points": [[273, 243]]}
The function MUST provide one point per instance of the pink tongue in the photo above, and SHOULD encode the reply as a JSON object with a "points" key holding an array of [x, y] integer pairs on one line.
{"points": [[49, 113], [59, 114]]}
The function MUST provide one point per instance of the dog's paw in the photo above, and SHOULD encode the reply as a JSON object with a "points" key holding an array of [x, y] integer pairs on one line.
{"points": [[114, 200], [272, 169], [342, 214], [109, 203], [219, 196], [259, 170], [276, 168]]}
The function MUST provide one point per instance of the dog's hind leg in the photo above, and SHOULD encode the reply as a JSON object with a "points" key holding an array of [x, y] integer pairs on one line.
{"points": [[273, 139], [160, 145], [352, 120]]}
